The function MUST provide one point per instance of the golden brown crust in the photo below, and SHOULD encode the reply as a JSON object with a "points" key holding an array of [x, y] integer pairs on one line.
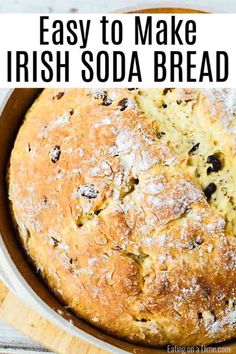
{"points": [[116, 227]]}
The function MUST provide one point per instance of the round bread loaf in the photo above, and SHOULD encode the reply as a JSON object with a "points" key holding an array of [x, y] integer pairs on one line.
{"points": [[125, 203]]}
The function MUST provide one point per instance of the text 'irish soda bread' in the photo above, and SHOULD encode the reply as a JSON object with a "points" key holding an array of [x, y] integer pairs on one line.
{"points": [[125, 202]]}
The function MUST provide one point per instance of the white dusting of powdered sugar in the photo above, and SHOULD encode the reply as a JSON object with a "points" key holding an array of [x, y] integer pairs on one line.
{"points": [[117, 184], [124, 140], [208, 318], [100, 171], [147, 160], [196, 215], [217, 226], [218, 326], [118, 180], [225, 100], [75, 194], [92, 261], [59, 175], [162, 202], [68, 151], [94, 171], [106, 168], [80, 152], [230, 101], [192, 192], [148, 241], [131, 104], [23, 229], [98, 93], [210, 248], [161, 239], [113, 95], [113, 150], [174, 201], [63, 246], [170, 161], [95, 319], [61, 121], [127, 161], [154, 188], [104, 121]]}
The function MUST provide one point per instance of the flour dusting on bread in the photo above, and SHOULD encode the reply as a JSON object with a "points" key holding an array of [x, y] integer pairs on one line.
{"points": [[125, 203]]}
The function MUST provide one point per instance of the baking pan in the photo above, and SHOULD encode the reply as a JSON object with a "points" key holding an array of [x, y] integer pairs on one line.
{"points": [[17, 272]]}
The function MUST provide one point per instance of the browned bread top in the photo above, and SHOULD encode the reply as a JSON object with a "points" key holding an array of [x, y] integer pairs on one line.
{"points": [[117, 222]]}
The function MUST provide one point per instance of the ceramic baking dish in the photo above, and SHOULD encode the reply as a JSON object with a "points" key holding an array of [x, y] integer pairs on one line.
{"points": [[14, 267]]}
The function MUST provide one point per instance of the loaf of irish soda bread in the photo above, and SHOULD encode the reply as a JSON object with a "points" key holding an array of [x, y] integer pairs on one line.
{"points": [[125, 202]]}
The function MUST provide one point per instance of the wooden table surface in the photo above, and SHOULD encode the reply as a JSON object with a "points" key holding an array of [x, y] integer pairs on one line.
{"points": [[27, 323], [12, 341]]}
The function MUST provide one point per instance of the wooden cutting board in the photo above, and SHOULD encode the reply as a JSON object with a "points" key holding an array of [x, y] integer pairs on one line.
{"points": [[30, 323]]}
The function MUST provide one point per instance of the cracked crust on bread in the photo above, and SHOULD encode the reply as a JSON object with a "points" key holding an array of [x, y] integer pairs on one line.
{"points": [[114, 201]]}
